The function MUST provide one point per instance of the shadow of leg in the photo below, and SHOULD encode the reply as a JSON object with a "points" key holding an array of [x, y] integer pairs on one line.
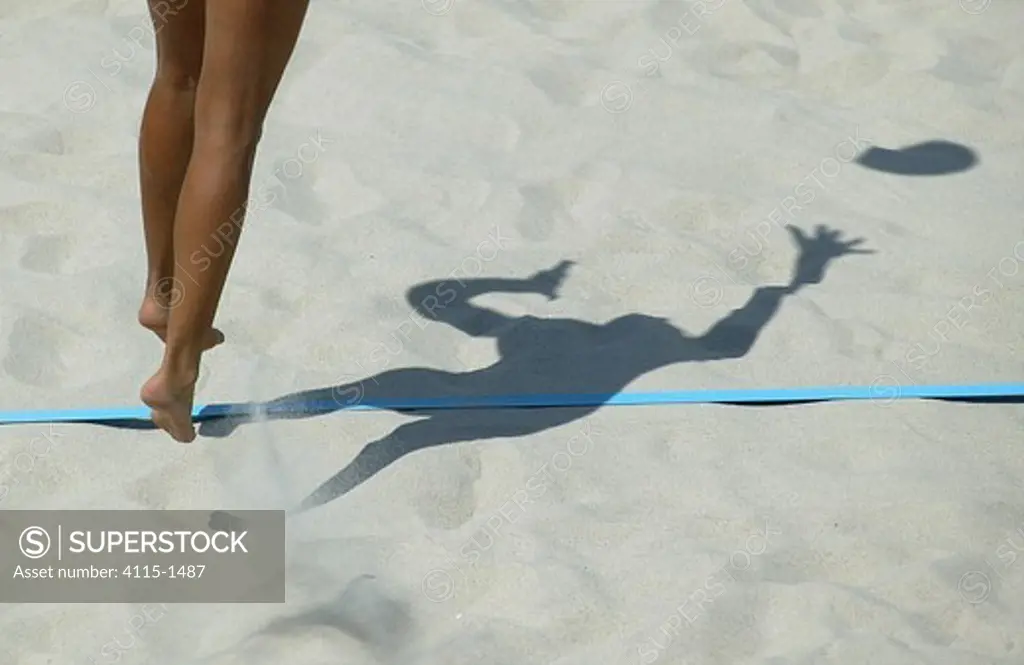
{"points": [[438, 429], [414, 383], [372, 458]]}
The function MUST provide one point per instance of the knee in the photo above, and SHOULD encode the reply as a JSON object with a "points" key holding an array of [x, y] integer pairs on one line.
{"points": [[176, 78], [229, 139], [229, 127]]}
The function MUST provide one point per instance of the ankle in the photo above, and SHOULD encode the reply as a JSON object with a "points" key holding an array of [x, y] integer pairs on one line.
{"points": [[160, 289], [180, 366]]}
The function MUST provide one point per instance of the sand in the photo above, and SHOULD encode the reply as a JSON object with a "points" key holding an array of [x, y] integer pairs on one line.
{"points": [[660, 146]]}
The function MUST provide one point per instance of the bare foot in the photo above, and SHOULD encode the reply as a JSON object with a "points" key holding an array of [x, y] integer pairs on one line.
{"points": [[153, 316], [171, 402]]}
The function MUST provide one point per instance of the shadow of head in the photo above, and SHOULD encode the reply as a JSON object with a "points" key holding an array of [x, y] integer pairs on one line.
{"points": [[922, 159]]}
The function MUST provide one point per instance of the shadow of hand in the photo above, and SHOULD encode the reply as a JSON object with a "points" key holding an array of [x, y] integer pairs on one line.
{"points": [[549, 281], [818, 251]]}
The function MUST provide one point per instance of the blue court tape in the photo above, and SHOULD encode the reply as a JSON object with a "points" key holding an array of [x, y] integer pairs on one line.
{"points": [[1009, 392]]}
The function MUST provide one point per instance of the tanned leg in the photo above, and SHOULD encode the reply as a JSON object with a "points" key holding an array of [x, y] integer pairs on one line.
{"points": [[165, 147], [247, 46]]}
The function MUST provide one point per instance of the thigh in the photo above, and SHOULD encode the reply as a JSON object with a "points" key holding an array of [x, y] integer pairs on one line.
{"points": [[179, 26], [248, 45]]}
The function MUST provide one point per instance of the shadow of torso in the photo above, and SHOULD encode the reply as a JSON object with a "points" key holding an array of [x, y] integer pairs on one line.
{"points": [[541, 356], [552, 356]]}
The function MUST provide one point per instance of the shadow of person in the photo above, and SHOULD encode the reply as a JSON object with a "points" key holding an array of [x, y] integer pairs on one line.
{"points": [[922, 159], [558, 356]]}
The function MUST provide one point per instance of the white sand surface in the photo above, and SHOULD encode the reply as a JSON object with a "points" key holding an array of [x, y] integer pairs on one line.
{"points": [[661, 147]]}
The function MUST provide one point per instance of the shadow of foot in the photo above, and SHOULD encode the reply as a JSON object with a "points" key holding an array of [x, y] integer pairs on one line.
{"points": [[222, 427]]}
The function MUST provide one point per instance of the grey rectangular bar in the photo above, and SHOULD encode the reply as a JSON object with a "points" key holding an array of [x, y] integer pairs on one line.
{"points": [[142, 556]]}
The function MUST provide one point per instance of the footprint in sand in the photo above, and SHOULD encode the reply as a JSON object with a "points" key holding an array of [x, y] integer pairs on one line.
{"points": [[798, 8], [34, 351], [448, 500], [46, 254], [542, 204], [560, 82]]}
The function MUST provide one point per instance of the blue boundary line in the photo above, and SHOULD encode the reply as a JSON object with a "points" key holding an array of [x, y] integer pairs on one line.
{"points": [[1008, 392]]}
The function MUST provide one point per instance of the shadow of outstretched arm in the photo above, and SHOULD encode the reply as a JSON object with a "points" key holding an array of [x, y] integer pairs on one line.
{"points": [[449, 301], [734, 335]]}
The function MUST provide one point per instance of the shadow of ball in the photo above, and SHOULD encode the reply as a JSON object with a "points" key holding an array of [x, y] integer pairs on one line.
{"points": [[923, 159]]}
